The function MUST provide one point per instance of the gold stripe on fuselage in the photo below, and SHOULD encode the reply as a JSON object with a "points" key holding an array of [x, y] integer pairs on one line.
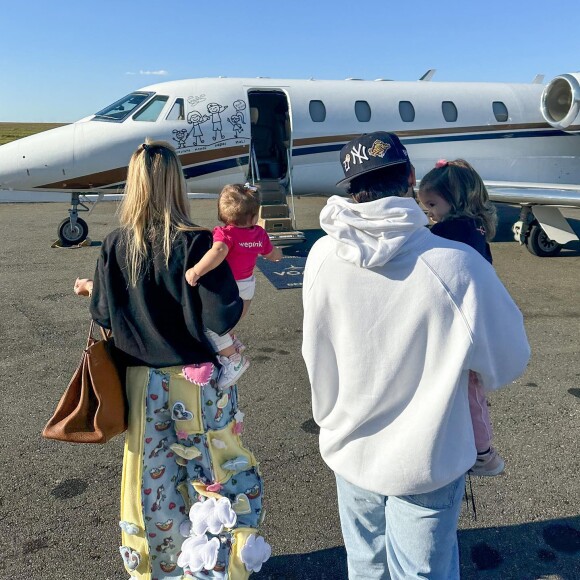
{"points": [[118, 175], [427, 132], [112, 176]]}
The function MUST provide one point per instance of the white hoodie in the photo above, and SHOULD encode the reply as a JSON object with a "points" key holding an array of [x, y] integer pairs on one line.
{"points": [[394, 318]]}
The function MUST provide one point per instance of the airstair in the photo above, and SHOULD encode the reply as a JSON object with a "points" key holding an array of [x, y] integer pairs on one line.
{"points": [[276, 216]]}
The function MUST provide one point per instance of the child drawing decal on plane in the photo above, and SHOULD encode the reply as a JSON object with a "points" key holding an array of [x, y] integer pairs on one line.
{"points": [[195, 118], [240, 107], [181, 137], [235, 122], [215, 109], [196, 100]]}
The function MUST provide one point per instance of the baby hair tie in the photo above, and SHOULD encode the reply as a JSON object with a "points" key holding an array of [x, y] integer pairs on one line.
{"points": [[441, 163], [145, 147], [250, 187]]}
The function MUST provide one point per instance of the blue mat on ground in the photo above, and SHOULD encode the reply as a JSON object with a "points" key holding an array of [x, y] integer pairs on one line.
{"points": [[287, 273]]}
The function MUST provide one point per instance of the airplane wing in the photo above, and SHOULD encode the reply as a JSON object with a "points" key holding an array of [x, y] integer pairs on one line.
{"points": [[527, 193], [539, 203], [541, 227]]}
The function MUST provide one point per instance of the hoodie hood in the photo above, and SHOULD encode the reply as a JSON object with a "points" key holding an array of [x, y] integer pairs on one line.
{"points": [[372, 233]]}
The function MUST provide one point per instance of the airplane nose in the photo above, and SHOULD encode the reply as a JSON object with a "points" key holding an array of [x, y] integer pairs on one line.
{"points": [[38, 160], [10, 172]]}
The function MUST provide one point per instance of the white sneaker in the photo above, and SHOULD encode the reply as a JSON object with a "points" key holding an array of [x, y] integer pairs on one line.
{"points": [[233, 368], [488, 464]]}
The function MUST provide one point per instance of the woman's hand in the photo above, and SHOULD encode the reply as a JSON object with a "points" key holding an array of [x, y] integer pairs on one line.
{"points": [[83, 287]]}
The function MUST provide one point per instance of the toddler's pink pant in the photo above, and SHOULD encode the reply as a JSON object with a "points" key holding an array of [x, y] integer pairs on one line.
{"points": [[479, 414]]}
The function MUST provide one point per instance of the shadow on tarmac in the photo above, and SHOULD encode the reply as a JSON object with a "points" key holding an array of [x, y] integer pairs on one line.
{"points": [[521, 551], [509, 215]]}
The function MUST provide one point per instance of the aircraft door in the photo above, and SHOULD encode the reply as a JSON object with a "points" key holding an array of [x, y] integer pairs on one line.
{"points": [[270, 131]]}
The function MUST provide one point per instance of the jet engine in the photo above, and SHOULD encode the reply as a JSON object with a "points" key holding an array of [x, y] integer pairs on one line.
{"points": [[560, 102]]}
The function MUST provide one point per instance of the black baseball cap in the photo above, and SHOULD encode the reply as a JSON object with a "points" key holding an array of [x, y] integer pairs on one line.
{"points": [[370, 152]]}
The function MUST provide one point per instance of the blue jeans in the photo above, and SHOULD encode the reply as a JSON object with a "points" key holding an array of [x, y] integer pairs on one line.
{"points": [[400, 537]]}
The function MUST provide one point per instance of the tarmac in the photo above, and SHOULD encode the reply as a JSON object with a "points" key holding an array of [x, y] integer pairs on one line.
{"points": [[59, 503]]}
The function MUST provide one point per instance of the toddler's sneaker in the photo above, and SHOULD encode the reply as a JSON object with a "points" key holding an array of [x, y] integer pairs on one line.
{"points": [[238, 344], [488, 464], [233, 368]]}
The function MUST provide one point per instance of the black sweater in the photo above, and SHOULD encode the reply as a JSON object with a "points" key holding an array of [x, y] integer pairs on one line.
{"points": [[466, 230], [160, 321]]}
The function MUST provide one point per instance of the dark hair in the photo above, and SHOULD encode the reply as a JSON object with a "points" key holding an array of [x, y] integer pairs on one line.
{"points": [[386, 182]]}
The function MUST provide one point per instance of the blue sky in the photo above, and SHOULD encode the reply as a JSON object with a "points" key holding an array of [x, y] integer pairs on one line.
{"points": [[63, 60]]}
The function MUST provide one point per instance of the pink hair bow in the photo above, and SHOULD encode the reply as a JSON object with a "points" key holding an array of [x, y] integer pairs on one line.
{"points": [[441, 163]]}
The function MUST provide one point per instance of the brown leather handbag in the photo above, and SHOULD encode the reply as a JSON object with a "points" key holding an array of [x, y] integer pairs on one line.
{"points": [[93, 408]]}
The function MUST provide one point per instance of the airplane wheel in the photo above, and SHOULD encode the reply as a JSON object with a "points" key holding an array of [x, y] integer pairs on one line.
{"points": [[71, 236], [539, 244]]}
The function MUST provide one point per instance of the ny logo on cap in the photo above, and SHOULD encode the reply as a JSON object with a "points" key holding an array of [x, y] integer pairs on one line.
{"points": [[356, 154]]}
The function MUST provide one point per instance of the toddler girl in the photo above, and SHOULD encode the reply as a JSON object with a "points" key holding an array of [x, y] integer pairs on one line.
{"points": [[457, 202], [239, 242]]}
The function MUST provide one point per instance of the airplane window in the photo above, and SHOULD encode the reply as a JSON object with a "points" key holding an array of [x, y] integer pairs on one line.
{"points": [[407, 111], [317, 111], [449, 111], [122, 108], [500, 111], [362, 111], [151, 111], [177, 112]]}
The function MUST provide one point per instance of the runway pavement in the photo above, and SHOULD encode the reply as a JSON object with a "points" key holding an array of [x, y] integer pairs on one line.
{"points": [[59, 503]]}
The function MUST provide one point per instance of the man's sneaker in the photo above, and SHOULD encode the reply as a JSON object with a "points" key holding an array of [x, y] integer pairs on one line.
{"points": [[488, 464], [238, 344], [233, 368]]}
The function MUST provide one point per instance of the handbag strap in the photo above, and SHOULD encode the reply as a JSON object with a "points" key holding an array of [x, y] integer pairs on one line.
{"points": [[90, 337], [106, 334]]}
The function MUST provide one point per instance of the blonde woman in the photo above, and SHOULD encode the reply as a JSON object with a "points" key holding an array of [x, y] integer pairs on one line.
{"points": [[191, 496]]}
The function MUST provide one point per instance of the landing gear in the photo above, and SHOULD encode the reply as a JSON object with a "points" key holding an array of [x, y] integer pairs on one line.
{"points": [[539, 244], [71, 234], [73, 230], [528, 231]]}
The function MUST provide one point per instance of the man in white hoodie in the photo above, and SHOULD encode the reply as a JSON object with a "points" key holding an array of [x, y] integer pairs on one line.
{"points": [[394, 319]]}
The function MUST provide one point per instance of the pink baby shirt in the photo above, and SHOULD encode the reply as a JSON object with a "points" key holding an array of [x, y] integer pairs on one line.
{"points": [[244, 244]]}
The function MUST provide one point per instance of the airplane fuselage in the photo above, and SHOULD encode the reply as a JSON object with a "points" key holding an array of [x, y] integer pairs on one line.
{"points": [[288, 133], [93, 153]]}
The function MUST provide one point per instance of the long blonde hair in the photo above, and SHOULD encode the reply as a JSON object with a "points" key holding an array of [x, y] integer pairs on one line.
{"points": [[462, 188], [155, 206]]}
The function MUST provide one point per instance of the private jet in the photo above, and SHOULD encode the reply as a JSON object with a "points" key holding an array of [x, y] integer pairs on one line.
{"points": [[284, 135]]}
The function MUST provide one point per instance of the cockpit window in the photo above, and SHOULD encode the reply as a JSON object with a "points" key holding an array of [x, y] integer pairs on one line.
{"points": [[151, 111], [177, 112], [122, 108]]}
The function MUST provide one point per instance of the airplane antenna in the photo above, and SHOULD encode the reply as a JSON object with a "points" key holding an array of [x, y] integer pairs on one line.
{"points": [[538, 80], [428, 75]]}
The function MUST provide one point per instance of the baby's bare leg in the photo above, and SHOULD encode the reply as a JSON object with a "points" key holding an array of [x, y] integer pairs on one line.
{"points": [[246, 308]]}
